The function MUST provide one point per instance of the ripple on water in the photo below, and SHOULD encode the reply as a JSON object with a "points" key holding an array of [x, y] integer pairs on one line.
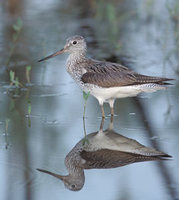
{"points": [[49, 95]]}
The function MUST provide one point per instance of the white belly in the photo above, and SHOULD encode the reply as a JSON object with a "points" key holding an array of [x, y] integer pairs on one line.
{"points": [[104, 94]]}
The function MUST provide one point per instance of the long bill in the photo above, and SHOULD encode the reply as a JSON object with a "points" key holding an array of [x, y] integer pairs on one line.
{"points": [[51, 173], [52, 55]]}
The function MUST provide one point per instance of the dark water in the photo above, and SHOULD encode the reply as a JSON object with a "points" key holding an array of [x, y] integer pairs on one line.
{"points": [[42, 121]]}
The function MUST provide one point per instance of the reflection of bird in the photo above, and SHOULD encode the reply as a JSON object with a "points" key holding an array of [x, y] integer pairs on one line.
{"points": [[105, 80], [103, 149]]}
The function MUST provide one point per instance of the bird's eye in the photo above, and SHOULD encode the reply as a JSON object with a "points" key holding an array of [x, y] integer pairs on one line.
{"points": [[73, 186], [74, 42]]}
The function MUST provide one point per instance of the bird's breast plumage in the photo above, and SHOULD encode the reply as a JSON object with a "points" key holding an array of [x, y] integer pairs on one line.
{"points": [[75, 67]]}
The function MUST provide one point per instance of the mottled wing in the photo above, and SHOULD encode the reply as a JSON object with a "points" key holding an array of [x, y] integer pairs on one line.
{"points": [[109, 79], [106, 158], [106, 74]]}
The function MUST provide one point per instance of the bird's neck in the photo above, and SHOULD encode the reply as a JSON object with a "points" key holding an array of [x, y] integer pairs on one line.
{"points": [[76, 172], [76, 57], [73, 164], [73, 64]]}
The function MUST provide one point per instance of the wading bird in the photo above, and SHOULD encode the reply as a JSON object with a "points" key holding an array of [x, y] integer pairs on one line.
{"points": [[103, 150], [105, 80]]}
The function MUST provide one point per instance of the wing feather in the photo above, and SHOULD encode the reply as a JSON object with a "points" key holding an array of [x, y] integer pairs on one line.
{"points": [[106, 158], [107, 74]]}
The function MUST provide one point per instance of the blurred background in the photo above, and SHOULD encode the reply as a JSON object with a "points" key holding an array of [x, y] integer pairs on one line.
{"points": [[41, 108]]}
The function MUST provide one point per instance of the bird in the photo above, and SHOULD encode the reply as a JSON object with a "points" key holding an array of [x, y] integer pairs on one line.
{"points": [[103, 150], [104, 80]]}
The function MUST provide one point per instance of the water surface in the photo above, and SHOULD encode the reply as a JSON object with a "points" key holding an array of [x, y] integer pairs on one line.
{"points": [[42, 121]]}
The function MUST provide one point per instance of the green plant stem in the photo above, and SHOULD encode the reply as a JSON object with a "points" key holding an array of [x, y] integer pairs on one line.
{"points": [[84, 128], [12, 49]]}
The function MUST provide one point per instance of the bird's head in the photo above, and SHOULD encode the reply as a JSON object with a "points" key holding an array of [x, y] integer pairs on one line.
{"points": [[75, 44], [74, 183]]}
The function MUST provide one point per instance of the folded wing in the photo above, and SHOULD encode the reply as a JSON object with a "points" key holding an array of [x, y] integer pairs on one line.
{"points": [[106, 74]]}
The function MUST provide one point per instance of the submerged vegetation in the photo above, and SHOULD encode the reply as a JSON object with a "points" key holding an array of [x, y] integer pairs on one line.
{"points": [[15, 84], [28, 70], [14, 80], [17, 28]]}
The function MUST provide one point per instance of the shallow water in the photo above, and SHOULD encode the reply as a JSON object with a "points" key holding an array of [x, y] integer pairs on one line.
{"points": [[42, 122]]}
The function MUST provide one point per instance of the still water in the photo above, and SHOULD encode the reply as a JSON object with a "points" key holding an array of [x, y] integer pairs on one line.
{"points": [[41, 120]]}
